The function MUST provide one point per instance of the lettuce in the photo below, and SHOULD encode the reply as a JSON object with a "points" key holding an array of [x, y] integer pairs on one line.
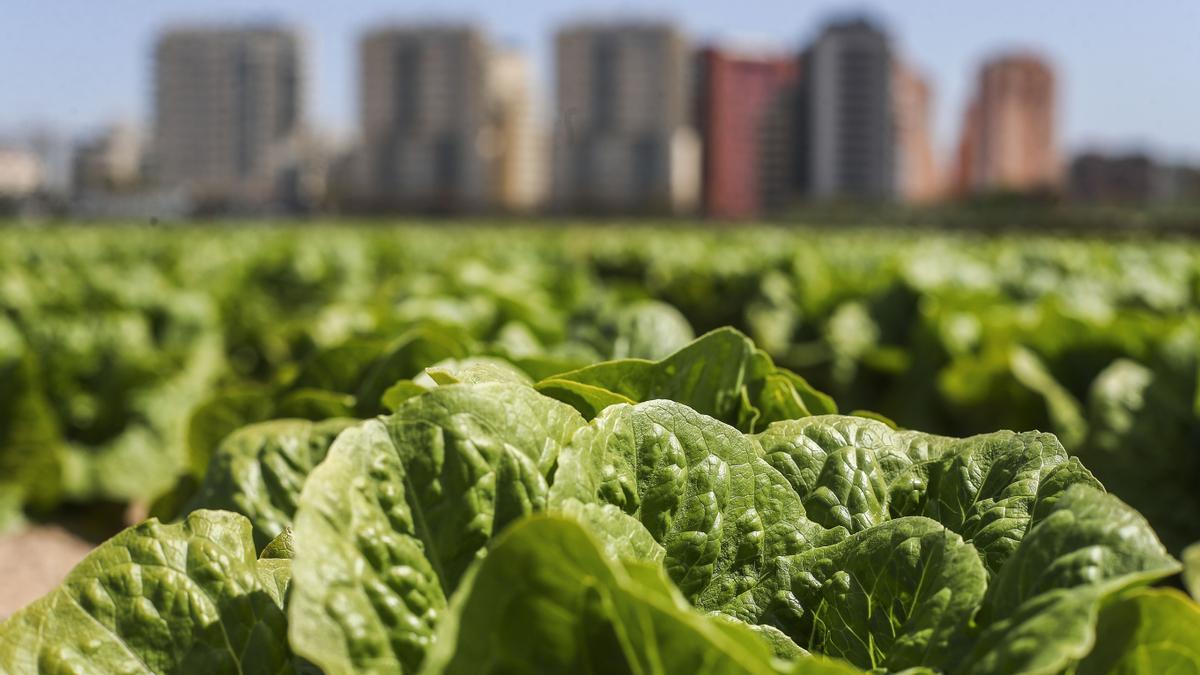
{"points": [[189, 597], [486, 526]]}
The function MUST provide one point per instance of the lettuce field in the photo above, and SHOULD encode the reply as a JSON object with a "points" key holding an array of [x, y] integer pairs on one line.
{"points": [[604, 449]]}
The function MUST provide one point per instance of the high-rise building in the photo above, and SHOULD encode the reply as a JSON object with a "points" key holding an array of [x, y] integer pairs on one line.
{"points": [[519, 171], [917, 176], [446, 121], [228, 111], [624, 139], [849, 135], [966, 152], [1008, 139], [747, 126], [423, 112]]}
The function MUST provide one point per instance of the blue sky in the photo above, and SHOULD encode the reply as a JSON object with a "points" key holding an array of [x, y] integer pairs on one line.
{"points": [[1129, 72]]}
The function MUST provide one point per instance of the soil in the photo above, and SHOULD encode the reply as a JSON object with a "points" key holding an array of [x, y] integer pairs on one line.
{"points": [[34, 561]]}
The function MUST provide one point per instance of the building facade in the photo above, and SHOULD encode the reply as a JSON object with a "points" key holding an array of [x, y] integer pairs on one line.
{"points": [[918, 179], [1128, 179], [422, 112], [746, 122], [111, 161], [624, 138], [21, 173], [518, 147], [850, 134], [446, 121], [228, 110], [1178, 184], [1009, 139], [1131, 179]]}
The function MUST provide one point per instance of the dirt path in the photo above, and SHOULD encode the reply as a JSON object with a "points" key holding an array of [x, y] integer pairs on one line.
{"points": [[33, 562]]}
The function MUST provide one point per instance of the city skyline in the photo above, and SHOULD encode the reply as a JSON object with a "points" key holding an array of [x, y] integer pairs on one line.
{"points": [[445, 128], [644, 121], [1104, 92]]}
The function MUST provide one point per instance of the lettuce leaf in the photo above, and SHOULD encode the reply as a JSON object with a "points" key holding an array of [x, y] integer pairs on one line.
{"points": [[720, 374], [548, 600], [188, 597], [392, 519]]}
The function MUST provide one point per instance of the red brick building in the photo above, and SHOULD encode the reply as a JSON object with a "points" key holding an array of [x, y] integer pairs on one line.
{"points": [[746, 104], [917, 177], [1008, 140]]}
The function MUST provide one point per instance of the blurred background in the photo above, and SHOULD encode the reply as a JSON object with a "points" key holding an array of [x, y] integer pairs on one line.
{"points": [[961, 217], [154, 110]]}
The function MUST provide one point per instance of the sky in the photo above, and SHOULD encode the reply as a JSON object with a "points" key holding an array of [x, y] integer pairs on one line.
{"points": [[1129, 72]]}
